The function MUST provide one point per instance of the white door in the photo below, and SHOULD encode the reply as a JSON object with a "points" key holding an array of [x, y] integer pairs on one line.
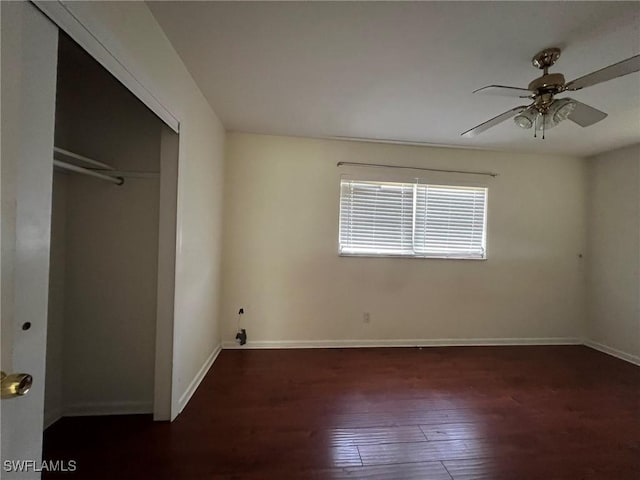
{"points": [[28, 77]]}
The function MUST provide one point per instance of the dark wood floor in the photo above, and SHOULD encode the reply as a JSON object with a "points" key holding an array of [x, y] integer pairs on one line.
{"points": [[462, 413]]}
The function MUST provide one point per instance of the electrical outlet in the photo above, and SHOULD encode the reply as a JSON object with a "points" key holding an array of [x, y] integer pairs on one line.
{"points": [[366, 317]]}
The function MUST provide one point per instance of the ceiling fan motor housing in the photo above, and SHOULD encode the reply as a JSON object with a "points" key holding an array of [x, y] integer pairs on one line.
{"points": [[550, 83]]}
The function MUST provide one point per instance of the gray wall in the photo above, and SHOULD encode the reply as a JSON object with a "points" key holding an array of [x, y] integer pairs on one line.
{"points": [[55, 321], [613, 279]]}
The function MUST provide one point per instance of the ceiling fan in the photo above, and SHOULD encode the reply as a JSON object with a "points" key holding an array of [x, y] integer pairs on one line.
{"points": [[546, 111]]}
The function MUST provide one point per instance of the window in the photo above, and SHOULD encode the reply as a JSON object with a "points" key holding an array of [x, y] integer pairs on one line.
{"points": [[412, 219]]}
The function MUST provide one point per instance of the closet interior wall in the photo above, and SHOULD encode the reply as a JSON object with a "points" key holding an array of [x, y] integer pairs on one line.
{"points": [[104, 251]]}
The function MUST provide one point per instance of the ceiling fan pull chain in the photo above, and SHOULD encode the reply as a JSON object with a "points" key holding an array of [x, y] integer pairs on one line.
{"points": [[543, 127]]}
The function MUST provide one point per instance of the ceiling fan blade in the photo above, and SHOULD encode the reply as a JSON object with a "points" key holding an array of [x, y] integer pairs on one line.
{"points": [[505, 91], [584, 115], [625, 67], [493, 122]]}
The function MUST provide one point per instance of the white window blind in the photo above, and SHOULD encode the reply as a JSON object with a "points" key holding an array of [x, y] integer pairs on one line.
{"points": [[450, 221], [376, 218], [412, 219]]}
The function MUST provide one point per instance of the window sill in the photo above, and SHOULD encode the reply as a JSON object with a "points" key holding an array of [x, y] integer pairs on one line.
{"points": [[412, 257]]}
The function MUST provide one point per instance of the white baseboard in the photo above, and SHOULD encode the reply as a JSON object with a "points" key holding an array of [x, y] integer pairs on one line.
{"points": [[107, 408], [193, 386], [440, 342], [635, 359], [129, 408]]}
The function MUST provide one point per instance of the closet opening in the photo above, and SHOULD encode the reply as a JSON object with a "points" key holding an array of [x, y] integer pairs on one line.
{"points": [[113, 245]]}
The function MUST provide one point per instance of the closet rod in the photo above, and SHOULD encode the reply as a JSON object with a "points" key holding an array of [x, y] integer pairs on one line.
{"points": [[86, 171], [82, 158], [382, 165]]}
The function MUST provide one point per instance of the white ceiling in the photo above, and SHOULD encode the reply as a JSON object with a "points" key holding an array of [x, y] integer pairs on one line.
{"points": [[404, 71]]}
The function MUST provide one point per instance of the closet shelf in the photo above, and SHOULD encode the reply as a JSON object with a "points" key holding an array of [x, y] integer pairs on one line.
{"points": [[100, 170], [81, 158], [85, 171], [103, 171]]}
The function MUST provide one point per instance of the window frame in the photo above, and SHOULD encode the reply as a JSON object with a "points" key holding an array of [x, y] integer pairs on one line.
{"points": [[445, 181]]}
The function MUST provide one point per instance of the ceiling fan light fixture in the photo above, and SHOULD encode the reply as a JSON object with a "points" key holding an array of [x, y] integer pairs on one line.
{"points": [[546, 121], [557, 112], [561, 109], [525, 119]]}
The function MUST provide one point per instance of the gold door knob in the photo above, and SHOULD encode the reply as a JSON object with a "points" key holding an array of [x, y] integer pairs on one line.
{"points": [[15, 384]]}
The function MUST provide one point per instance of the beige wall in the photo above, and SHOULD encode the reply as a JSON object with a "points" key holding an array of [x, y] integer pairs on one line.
{"points": [[131, 33], [281, 263], [614, 251]]}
